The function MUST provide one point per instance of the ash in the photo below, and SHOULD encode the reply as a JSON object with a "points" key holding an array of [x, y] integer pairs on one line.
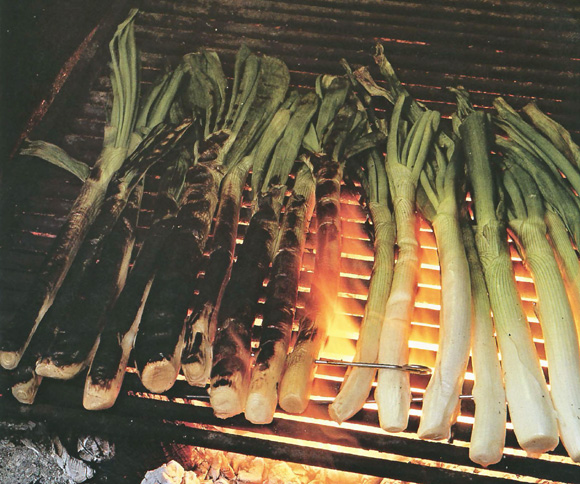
{"points": [[30, 455]]}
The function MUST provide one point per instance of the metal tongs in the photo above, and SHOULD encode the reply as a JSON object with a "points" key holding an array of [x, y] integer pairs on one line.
{"points": [[417, 369]]}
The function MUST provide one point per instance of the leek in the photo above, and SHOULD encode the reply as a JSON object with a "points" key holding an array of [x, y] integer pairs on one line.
{"points": [[525, 134], [562, 217], [439, 205], [488, 432], [567, 259], [281, 297], [16, 333], [531, 410], [555, 132], [406, 155], [107, 370], [230, 374], [326, 140], [57, 156], [552, 187], [358, 381], [161, 338], [200, 328], [526, 219]]}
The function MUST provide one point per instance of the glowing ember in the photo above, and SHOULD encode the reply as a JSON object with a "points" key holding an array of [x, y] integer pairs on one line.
{"points": [[207, 466]]}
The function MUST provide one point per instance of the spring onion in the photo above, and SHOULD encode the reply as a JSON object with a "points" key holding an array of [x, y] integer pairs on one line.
{"points": [[531, 410]]}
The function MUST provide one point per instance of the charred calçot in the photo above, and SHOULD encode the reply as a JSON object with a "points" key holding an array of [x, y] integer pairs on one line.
{"points": [[76, 337], [319, 313], [121, 135], [160, 339], [281, 294], [279, 144], [110, 360], [200, 328], [106, 373], [67, 316], [231, 361], [280, 306]]}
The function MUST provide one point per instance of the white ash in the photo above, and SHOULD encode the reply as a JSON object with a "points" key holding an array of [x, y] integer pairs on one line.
{"points": [[281, 473], [254, 473], [75, 469], [95, 449], [29, 455]]}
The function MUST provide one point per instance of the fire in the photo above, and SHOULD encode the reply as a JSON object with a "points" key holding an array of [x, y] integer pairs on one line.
{"points": [[355, 276]]}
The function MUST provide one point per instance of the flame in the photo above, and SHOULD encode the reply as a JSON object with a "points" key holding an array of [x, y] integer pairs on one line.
{"points": [[359, 427], [344, 328], [355, 275]]}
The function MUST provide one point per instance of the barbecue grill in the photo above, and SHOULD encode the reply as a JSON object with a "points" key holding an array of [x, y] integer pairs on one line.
{"points": [[519, 49]]}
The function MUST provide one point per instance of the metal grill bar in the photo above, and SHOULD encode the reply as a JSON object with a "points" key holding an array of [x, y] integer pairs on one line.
{"points": [[58, 402]]}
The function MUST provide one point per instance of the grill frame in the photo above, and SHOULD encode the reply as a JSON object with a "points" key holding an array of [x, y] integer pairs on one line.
{"points": [[60, 402]]}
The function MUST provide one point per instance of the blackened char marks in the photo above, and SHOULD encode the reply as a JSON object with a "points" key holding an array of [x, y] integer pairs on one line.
{"points": [[307, 331], [172, 290], [210, 148], [240, 300], [102, 371]]}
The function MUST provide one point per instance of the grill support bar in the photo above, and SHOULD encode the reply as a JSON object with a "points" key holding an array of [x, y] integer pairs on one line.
{"points": [[139, 429]]}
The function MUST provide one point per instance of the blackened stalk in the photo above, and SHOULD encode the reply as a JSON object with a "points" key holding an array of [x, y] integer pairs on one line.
{"points": [[281, 298], [15, 334], [76, 339], [160, 338], [156, 147], [107, 369], [24, 380], [232, 347], [338, 125], [283, 136], [320, 311], [200, 327]]}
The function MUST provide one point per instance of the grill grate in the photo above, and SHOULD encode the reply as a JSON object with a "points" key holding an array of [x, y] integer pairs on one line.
{"points": [[522, 50]]}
